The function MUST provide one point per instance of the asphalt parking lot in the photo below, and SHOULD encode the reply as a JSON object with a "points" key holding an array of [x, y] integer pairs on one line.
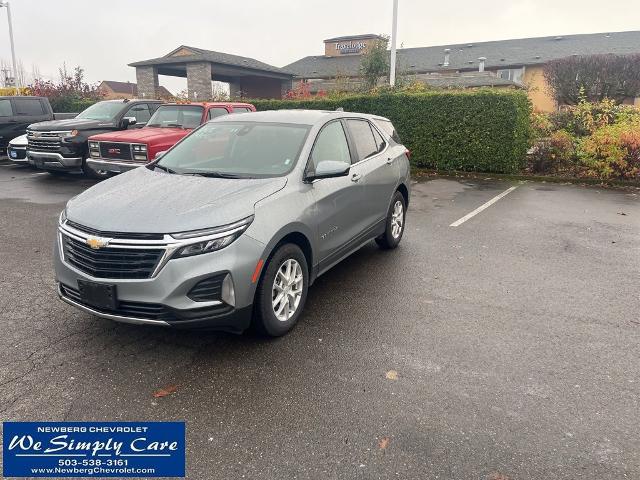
{"points": [[503, 348]]}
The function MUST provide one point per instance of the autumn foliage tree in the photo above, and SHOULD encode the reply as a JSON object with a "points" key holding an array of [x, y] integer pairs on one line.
{"points": [[70, 94], [594, 78]]}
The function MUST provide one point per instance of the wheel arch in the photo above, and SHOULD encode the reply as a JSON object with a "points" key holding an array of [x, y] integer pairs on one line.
{"points": [[402, 188], [299, 235]]}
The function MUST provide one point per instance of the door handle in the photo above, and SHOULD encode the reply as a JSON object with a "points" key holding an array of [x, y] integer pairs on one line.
{"points": [[389, 161], [356, 177]]}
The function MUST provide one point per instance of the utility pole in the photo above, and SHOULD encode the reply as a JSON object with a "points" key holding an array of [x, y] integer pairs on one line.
{"points": [[16, 77], [394, 34]]}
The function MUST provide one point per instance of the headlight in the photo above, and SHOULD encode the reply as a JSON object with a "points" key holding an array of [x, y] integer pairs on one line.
{"points": [[63, 217], [212, 239], [206, 247], [94, 145], [139, 148], [67, 136]]}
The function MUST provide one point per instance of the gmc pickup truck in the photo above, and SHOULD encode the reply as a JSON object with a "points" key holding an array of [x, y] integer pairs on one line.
{"points": [[16, 113], [61, 145], [117, 152]]}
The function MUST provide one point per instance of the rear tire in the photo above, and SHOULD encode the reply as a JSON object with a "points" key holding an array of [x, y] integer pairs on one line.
{"points": [[282, 292], [395, 223]]}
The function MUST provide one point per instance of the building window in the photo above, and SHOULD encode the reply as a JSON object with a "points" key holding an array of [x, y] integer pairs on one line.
{"points": [[513, 74]]}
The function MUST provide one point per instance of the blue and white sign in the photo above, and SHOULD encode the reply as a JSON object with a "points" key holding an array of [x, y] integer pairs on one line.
{"points": [[93, 449]]}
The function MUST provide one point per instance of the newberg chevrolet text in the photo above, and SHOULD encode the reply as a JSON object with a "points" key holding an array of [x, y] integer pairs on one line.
{"points": [[231, 226]]}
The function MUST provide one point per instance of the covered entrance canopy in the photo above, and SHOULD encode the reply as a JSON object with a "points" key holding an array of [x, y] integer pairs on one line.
{"points": [[247, 77]]}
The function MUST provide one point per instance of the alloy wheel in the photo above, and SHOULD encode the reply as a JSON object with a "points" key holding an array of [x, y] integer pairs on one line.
{"points": [[287, 289], [397, 219]]}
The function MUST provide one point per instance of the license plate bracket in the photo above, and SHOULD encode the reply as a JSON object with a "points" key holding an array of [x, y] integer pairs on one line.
{"points": [[100, 295]]}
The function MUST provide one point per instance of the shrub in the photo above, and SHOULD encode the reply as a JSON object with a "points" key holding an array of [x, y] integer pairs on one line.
{"points": [[541, 125], [481, 130], [554, 154], [612, 151], [71, 94], [594, 77]]}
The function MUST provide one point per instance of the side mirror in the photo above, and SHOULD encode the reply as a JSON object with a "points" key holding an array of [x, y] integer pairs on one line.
{"points": [[128, 121], [159, 155], [330, 169]]}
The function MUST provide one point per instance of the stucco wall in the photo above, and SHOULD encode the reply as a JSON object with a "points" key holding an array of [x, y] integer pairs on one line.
{"points": [[538, 89]]}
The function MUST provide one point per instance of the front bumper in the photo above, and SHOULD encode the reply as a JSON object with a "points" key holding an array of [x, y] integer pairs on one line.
{"points": [[17, 154], [113, 166], [165, 294], [53, 161]]}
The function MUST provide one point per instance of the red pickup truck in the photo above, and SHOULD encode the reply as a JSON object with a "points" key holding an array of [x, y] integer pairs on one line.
{"points": [[117, 152]]}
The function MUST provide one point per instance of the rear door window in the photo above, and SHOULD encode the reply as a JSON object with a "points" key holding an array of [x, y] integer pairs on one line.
{"points": [[28, 106], [217, 112], [387, 127], [379, 140], [366, 145], [5, 108], [241, 110]]}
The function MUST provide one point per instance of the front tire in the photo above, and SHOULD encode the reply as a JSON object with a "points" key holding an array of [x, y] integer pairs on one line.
{"points": [[94, 174], [282, 292], [395, 223]]}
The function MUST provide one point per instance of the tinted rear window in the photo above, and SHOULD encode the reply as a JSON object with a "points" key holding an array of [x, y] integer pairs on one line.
{"points": [[363, 137], [387, 127], [28, 106], [5, 108]]}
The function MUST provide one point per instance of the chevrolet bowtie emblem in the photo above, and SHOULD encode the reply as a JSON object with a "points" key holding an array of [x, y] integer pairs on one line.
{"points": [[97, 243]]}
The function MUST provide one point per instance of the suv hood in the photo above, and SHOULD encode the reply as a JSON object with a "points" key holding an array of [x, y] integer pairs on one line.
{"points": [[145, 134], [145, 201], [69, 124]]}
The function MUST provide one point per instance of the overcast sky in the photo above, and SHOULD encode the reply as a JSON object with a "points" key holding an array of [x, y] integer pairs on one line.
{"points": [[103, 36]]}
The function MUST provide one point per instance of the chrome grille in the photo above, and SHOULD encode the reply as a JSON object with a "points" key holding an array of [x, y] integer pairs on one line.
{"points": [[109, 262], [44, 141]]}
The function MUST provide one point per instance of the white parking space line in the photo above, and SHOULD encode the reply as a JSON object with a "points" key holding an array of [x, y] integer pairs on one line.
{"points": [[459, 222]]}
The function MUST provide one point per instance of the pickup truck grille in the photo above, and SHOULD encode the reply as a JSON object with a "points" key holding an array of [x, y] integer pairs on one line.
{"points": [[43, 141], [116, 151], [120, 263]]}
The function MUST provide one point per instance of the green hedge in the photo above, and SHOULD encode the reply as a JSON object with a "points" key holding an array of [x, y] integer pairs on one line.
{"points": [[69, 105], [480, 130]]}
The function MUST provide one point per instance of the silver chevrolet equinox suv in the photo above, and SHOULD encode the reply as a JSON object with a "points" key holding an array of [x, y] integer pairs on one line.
{"points": [[230, 227]]}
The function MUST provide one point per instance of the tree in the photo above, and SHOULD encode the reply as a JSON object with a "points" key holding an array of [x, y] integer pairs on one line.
{"points": [[375, 63], [594, 78], [70, 94]]}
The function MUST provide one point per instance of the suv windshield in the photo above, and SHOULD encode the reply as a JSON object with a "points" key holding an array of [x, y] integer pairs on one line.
{"points": [[105, 111], [237, 150], [181, 116]]}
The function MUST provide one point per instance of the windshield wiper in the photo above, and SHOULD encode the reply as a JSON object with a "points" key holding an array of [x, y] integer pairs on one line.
{"points": [[216, 175], [166, 169], [173, 125]]}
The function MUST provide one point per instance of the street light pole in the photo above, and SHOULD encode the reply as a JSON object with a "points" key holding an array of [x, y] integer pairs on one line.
{"points": [[16, 78], [394, 33]]}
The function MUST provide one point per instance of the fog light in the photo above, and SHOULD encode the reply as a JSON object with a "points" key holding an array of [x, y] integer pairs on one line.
{"points": [[228, 291]]}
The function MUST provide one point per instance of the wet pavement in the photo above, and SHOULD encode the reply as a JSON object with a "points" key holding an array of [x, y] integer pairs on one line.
{"points": [[504, 348]]}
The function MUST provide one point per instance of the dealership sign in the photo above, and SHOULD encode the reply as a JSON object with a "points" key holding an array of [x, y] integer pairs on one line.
{"points": [[93, 449], [350, 47]]}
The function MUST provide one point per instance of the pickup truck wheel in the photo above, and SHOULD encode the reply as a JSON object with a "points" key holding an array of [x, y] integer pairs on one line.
{"points": [[395, 224], [95, 174], [282, 292]]}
